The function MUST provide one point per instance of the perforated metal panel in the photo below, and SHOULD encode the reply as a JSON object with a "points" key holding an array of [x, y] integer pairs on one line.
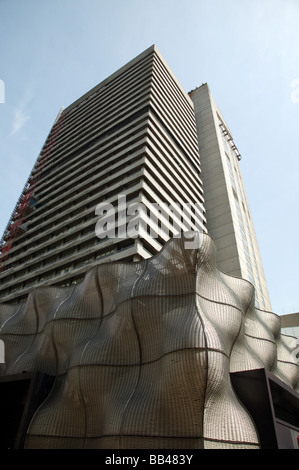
{"points": [[142, 352]]}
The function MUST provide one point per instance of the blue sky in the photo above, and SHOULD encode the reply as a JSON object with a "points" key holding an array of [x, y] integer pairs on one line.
{"points": [[53, 51]]}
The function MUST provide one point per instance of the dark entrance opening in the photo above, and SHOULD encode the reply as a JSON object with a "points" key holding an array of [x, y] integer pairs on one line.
{"points": [[20, 396], [273, 405]]}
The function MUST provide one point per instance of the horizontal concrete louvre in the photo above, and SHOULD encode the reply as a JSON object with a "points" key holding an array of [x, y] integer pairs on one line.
{"points": [[161, 107], [112, 83], [98, 182], [182, 99], [153, 243], [75, 149], [108, 185], [172, 180], [175, 116], [64, 262], [99, 124], [110, 97], [159, 193], [37, 270], [165, 215], [112, 254], [177, 175], [92, 181], [116, 121], [100, 157], [177, 102], [161, 229], [190, 194], [55, 229], [155, 191], [178, 155], [171, 157], [167, 181], [144, 250], [113, 144], [135, 95]]}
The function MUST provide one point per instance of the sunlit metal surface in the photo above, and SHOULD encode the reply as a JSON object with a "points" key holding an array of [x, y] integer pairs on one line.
{"points": [[142, 352]]}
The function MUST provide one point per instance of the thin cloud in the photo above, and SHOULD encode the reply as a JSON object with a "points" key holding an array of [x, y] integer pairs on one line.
{"points": [[20, 119], [21, 115]]}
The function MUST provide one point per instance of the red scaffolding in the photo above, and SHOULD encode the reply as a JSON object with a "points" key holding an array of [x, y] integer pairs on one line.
{"points": [[26, 201]]}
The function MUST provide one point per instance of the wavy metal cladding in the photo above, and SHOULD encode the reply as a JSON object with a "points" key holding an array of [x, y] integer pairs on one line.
{"points": [[142, 352]]}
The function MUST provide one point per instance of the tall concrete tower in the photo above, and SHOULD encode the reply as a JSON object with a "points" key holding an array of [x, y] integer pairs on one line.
{"points": [[229, 220], [130, 140]]}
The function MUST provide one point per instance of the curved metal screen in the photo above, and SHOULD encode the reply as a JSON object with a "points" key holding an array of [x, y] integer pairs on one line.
{"points": [[142, 352]]}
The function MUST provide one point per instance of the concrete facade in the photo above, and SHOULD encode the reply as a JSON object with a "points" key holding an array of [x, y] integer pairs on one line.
{"points": [[229, 219]]}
